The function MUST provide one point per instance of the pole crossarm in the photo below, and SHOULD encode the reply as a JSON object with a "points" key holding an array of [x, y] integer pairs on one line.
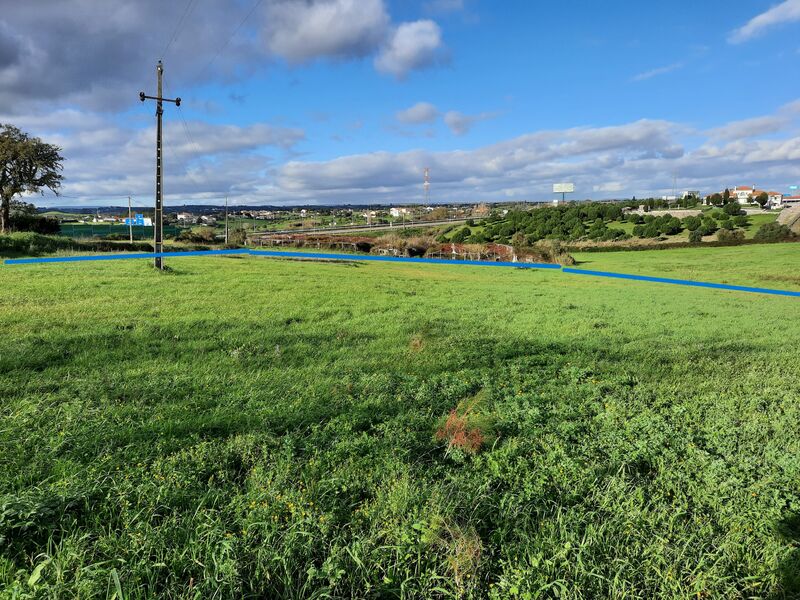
{"points": [[143, 97]]}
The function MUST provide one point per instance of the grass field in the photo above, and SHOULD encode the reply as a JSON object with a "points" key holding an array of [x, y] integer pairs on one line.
{"points": [[246, 427]]}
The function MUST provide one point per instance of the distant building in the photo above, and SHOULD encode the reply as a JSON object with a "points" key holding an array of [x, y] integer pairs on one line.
{"points": [[186, 218], [208, 220], [690, 194], [774, 199], [398, 212], [789, 201], [744, 194]]}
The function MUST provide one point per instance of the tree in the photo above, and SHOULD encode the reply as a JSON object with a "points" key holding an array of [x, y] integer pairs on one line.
{"points": [[733, 208], [26, 165], [726, 196], [762, 199], [461, 235], [692, 223]]}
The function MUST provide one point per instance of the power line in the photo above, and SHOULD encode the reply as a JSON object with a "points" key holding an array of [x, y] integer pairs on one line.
{"points": [[235, 31], [185, 14]]}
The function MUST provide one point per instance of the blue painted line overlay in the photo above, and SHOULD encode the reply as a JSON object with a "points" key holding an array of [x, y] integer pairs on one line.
{"points": [[718, 286], [151, 255], [399, 259]]}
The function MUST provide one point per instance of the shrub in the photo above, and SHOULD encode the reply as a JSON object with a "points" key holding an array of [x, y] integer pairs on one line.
{"points": [[741, 221], [201, 235], [731, 237], [773, 232], [692, 223], [461, 235], [36, 224], [695, 236]]}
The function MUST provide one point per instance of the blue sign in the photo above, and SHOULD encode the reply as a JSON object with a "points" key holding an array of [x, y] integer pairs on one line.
{"points": [[139, 220]]}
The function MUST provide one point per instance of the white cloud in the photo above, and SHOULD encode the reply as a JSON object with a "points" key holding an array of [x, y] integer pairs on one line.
{"points": [[786, 12], [659, 71], [459, 123], [414, 45], [299, 31], [747, 128], [421, 112], [249, 162]]}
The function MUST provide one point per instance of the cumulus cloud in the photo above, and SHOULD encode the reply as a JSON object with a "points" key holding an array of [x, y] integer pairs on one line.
{"points": [[787, 11], [421, 112], [460, 124], [258, 163], [412, 46], [298, 30], [99, 54]]}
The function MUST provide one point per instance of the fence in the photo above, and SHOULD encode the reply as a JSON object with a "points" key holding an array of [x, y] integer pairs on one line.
{"points": [[90, 230]]}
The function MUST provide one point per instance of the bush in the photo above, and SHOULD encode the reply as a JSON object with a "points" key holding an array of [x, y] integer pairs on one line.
{"points": [[692, 223], [461, 235], [36, 224], [731, 237], [695, 236], [741, 221], [773, 232], [201, 235]]}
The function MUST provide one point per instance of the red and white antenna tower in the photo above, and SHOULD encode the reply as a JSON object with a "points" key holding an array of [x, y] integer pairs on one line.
{"points": [[427, 185]]}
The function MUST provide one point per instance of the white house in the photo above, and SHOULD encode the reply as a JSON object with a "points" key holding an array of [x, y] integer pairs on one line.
{"points": [[186, 218], [398, 212], [743, 194], [775, 200], [208, 220]]}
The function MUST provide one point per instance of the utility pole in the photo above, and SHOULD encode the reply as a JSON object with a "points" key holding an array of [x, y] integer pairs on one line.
{"points": [[427, 185], [158, 221], [130, 221], [226, 220]]}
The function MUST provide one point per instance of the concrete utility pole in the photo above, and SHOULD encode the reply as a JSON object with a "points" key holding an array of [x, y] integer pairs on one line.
{"points": [[130, 221], [158, 221]]}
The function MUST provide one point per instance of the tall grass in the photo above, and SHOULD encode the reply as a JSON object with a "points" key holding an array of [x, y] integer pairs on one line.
{"points": [[252, 428]]}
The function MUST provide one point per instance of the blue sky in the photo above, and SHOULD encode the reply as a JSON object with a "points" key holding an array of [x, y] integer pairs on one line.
{"points": [[334, 101]]}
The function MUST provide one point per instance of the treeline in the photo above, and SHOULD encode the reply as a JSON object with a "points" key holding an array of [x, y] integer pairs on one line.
{"points": [[594, 222], [549, 223]]}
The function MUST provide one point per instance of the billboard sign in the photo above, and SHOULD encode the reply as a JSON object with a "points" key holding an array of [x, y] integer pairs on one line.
{"points": [[563, 188], [139, 220]]}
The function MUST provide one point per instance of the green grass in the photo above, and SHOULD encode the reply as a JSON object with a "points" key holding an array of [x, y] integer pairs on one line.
{"points": [[759, 265], [245, 427]]}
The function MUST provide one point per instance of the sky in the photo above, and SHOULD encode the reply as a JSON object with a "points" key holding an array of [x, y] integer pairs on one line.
{"points": [[290, 102]]}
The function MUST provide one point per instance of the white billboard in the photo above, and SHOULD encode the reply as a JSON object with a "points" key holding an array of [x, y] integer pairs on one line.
{"points": [[563, 188]]}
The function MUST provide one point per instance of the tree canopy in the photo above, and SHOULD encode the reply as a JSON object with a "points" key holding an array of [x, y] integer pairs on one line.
{"points": [[27, 165]]}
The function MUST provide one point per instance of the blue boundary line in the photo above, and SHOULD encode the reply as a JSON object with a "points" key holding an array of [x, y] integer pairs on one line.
{"points": [[62, 259], [398, 259], [705, 284], [276, 254]]}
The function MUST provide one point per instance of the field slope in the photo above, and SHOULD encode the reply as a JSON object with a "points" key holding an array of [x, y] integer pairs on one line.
{"points": [[247, 427]]}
